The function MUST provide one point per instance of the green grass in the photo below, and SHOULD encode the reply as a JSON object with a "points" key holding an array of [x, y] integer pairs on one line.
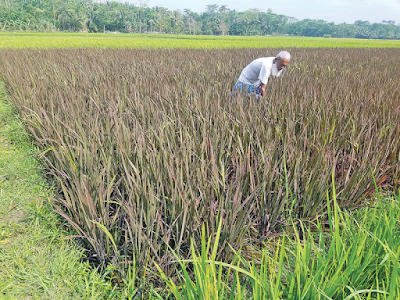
{"points": [[91, 40], [358, 258], [35, 263]]}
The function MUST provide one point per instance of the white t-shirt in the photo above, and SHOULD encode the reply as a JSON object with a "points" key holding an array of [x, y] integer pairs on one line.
{"points": [[258, 71]]}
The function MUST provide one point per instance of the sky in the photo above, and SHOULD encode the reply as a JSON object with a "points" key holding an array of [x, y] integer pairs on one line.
{"points": [[338, 11]]}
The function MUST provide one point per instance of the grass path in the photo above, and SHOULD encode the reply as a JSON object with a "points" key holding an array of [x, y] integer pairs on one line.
{"points": [[34, 262]]}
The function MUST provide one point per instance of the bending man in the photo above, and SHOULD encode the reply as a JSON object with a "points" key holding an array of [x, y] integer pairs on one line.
{"points": [[254, 77]]}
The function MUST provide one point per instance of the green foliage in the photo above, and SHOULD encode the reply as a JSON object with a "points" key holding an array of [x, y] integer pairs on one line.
{"points": [[358, 258], [113, 16]]}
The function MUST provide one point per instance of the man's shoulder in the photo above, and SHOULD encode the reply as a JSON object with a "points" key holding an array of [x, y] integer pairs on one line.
{"points": [[265, 60]]}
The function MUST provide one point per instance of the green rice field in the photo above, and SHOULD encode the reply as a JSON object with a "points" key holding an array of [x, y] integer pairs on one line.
{"points": [[18, 40]]}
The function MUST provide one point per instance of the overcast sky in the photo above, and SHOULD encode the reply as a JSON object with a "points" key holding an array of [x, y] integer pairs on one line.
{"points": [[337, 11]]}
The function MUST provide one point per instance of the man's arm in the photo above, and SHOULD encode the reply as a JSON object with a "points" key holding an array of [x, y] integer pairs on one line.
{"points": [[265, 72], [262, 89]]}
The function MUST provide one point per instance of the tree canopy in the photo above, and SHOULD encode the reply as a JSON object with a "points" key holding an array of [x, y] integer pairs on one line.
{"points": [[112, 16]]}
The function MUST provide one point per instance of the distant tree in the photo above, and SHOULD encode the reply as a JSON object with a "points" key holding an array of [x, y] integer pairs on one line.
{"points": [[362, 29], [211, 8], [191, 21], [161, 21], [176, 21]]}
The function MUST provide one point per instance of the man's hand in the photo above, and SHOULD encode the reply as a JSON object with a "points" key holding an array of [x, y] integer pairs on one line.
{"points": [[261, 88]]}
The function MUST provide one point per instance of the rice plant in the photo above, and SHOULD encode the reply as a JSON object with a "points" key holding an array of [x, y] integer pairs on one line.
{"points": [[145, 146]]}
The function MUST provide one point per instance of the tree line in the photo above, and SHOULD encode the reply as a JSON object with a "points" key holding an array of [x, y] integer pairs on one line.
{"points": [[112, 16]]}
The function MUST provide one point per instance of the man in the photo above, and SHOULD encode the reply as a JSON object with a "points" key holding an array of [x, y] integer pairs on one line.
{"points": [[254, 77]]}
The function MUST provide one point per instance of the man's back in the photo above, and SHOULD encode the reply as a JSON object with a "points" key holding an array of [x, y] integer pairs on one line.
{"points": [[257, 71]]}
